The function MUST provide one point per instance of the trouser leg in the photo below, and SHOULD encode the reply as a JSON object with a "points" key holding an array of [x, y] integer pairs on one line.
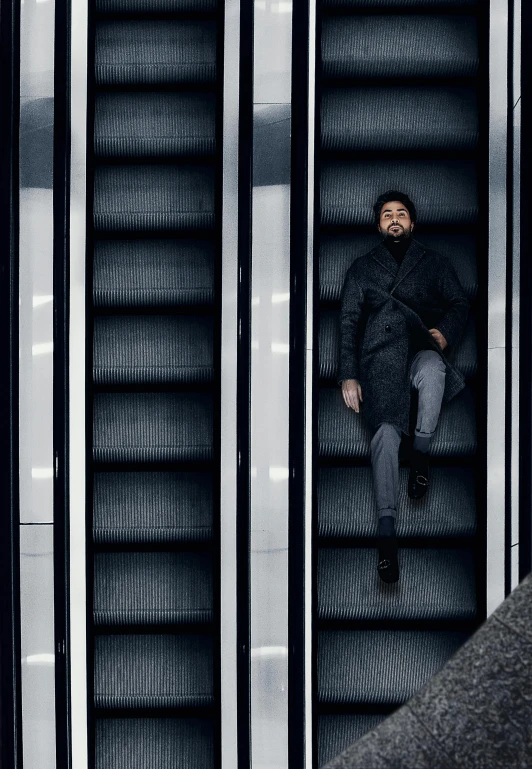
{"points": [[427, 375], [385, 465]]}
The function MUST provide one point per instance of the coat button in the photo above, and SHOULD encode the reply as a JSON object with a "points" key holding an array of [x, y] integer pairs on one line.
{"points": [[387, 327]]}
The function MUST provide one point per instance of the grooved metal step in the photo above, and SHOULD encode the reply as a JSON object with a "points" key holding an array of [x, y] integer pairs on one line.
{"points": [[347, 508], [153, 273], [152, 349], [343, 433], [151, 124], [153, 671], [154, 743], [152, 588], [152, 507], [152, 427], [435, 584], [381, 667]]}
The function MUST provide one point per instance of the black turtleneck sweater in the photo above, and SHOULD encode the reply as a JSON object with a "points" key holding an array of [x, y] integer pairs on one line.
{"points": [[398, 248]]}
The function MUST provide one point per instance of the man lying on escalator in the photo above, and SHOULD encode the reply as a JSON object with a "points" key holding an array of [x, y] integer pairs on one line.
{"points": [[402, 306]]}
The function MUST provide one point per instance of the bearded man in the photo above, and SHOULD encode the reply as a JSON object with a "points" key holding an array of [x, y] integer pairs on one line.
{"points": [[402, 306]]}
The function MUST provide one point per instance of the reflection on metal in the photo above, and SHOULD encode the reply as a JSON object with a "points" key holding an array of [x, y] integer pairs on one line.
{"points": [[76, 502], [228, 412], [308, 565], [270, 313], [37, 646], [516, 250], [496, 424], [36, 454]]}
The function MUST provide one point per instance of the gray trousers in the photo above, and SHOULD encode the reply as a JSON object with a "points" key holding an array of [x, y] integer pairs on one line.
{"points": [[427, 376]]}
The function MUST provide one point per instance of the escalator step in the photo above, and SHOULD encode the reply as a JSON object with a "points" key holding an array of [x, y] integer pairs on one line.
{"points": [[411, 46], [154, 743], [337, 253], [152, 427], [153, 671], [153, 198], [155, 6], [345, 4], [336, 732], [380, 666], [464, 356], [144, 124], [445, 191], [152, 588], [152, 349], [152, 507], [436, 584], [344, 434], [155, 52], [153, 273], [399, 119], [346, 504]]}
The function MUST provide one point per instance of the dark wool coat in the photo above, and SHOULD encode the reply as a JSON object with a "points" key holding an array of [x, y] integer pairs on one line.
{"points": [[386, 315]]}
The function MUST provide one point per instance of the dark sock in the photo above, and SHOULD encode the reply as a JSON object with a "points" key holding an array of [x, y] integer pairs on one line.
{"points": [[421, 443], [387, 526]]}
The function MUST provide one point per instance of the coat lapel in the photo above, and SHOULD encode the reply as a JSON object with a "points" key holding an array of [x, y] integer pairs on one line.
{"points": [[381, 255]]}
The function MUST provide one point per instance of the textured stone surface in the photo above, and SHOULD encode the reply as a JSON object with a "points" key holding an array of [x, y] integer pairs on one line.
{"points": [[476, 713], [398, 743]]}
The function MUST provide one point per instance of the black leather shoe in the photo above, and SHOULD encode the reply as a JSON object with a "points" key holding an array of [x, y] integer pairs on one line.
{"points": [[388, 566], [418, 478]]}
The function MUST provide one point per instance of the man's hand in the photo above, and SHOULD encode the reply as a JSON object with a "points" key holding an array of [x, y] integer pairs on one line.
{"points": [[352, 393], [438, 336]]}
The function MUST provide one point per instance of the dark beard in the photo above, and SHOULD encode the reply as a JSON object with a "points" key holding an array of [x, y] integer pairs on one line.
{"points": [[404, 235]]}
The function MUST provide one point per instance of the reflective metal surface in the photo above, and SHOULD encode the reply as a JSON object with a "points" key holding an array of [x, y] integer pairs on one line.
{"points": [[516, 255], [309, 383], [270, 342], [496, 424], [37, 646], [228, 452], [36, 458], [36, 262], [77, 587]]}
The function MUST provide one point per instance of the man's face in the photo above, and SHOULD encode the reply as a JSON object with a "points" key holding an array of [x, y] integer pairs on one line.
{"points": [[395, 221]]}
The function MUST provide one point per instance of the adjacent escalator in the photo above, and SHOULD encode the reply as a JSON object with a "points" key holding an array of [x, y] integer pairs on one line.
{"points": [[402, 90], [154, 635]]}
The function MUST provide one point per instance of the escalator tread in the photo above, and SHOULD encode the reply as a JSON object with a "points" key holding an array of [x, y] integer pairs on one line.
{"points": [[151, 198], [346, 504], [155, 6], [153, 273], [154, 743], [380, 666], [343, 433], [337, 253], [152, 507], [336, 732], [153, 671], [152, 588], [386, 118], [151, 124], [428, 46], [156, 349], [151, 52], [445, 191], [436, 584], [152, 427]]}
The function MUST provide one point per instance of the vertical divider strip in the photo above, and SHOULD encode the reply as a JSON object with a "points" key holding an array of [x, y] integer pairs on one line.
{"points": [[497, 468], [77, 384], [233, 504]]}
